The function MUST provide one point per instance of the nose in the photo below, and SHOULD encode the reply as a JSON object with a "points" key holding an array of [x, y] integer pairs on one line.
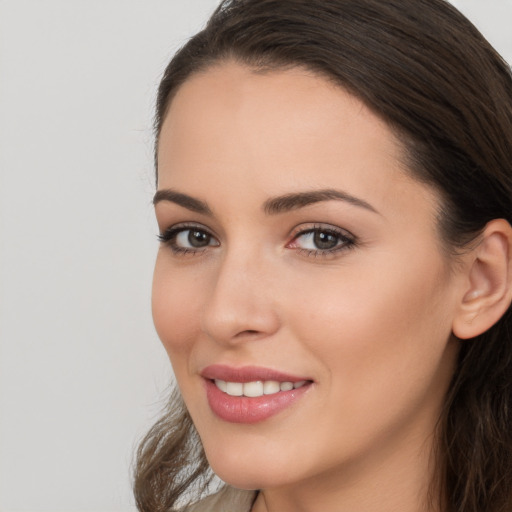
{"points": [[240, 305]]}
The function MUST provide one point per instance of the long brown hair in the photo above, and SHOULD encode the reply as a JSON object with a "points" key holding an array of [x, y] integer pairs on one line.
{"points": [[427, 71]]}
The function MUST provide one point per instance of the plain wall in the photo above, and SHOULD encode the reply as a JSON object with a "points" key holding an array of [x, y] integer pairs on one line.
{"points": [[82, 374]]}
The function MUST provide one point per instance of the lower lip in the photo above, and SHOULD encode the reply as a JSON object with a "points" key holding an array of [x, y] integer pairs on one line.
{"points": [[243, 409]]}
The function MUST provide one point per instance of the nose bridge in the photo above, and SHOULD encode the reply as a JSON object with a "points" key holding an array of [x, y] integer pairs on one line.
{"points": [[240, 302]]}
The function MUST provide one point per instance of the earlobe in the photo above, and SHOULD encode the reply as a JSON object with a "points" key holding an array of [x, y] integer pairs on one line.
{"points": [[488, 292]]}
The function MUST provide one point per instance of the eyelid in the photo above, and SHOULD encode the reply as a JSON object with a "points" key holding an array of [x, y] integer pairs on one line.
{"points": [[182, 226], [168, 237], [319, 226], [346, 237]]}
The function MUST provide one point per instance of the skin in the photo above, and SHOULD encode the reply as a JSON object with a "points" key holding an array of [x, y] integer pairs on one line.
{"points": [[370, 323]]}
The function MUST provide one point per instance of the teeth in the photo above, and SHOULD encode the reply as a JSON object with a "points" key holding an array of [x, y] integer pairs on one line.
{"points": [[256, 388], [234, 388], [270, 387], [253, 388], [221, 384]]}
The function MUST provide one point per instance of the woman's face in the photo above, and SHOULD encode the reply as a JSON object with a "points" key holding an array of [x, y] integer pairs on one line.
{"points": [[297, 249]]}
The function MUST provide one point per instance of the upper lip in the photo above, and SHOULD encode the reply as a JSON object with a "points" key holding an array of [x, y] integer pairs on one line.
{"points": [[247, 374]]}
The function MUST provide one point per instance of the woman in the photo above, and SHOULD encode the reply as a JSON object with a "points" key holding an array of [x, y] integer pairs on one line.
{"points": [[334, 281]]}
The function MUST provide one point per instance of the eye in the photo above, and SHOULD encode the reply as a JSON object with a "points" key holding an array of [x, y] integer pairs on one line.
{"points": [[322, 240], [188, 239]]}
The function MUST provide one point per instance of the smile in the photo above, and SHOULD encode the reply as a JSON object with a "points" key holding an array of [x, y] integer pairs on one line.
{"points": [[256, 388], [251, 394]]}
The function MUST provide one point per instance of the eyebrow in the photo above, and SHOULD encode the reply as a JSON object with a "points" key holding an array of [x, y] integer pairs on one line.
{"points": [[188, 202], [294, 201], [273, 206]]}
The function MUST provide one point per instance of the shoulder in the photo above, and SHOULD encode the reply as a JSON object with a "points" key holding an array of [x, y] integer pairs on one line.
{"points": [[228, 499]]}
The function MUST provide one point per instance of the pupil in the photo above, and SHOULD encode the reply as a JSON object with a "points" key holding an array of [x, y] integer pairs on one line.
{"points": [[325, 240], [198, 238]]}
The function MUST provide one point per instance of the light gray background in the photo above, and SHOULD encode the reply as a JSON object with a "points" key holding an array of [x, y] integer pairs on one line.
{"points": [[82, 374]]}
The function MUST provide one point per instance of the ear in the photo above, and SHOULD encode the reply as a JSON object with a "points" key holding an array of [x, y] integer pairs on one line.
{"points": [[488, 289]]}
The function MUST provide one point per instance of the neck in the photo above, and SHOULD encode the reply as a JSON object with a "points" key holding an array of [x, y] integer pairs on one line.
{"points": [[399, 478]]}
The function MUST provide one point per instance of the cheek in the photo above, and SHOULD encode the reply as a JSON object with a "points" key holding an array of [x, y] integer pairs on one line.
{"points": [[176, 308], [376, 331]]}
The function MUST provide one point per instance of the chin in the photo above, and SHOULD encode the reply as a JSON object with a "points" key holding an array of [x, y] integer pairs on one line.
{"points": [[249, 479], [245, 470]]}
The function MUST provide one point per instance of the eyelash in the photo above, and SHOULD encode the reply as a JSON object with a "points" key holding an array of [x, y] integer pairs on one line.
{"points": [[344, 240], [168, 238]]}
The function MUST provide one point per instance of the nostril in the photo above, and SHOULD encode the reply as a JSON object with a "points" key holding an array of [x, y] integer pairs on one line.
{"points": [[248, 333]]}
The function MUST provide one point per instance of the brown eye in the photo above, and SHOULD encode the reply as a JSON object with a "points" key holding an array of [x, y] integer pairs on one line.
{"points": [[322, 241], [325, 240], [191, 239], [196, 238], [182, 239]]}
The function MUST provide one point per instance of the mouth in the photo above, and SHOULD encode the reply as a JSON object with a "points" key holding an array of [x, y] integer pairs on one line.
{"points": [[257, 388], [251, 394]]}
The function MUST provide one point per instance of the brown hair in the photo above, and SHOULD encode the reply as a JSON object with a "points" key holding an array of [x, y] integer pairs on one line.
{"points": [[427, 71]]}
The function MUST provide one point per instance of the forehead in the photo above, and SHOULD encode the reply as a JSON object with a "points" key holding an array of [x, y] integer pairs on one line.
{"points": [[229, 93], [275, 131]]}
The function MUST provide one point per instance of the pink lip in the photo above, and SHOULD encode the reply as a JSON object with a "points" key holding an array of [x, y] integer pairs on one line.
{"points": [[242, 409], [247, 374]]}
